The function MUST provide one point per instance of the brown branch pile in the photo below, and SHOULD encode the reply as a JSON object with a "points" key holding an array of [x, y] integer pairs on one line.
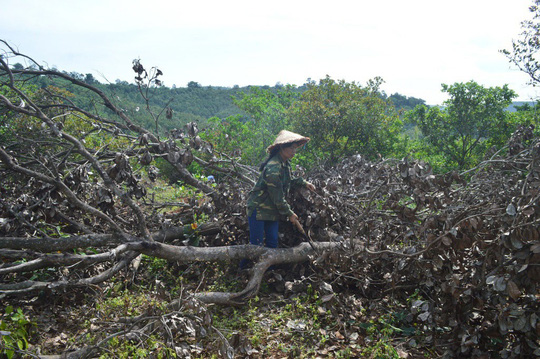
{"points": [[458, 254], [463, 251]]}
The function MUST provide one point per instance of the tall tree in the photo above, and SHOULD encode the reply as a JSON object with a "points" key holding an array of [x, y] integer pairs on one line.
{"points": [[471, 117], [344, 118], [268, 108], [267, 116]]}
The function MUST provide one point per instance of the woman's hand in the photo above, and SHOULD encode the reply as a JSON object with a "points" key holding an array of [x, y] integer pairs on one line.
{"points": [[310, 186], [294, 220]]}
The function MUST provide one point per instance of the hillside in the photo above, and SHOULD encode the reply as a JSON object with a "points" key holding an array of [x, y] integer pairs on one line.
{"points": [[517, 105], [191, 103]]}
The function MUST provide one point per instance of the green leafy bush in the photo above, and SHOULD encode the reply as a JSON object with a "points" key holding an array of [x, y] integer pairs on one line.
{"points": [[15, 330]]}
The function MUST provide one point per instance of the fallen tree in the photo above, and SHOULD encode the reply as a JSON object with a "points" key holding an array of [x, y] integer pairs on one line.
{"points": [[63, 193], [459, 253], [72, 178], [123, 254]]}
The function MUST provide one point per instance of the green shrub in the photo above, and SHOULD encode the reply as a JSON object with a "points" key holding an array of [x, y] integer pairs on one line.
{"points": [[15, 330]]}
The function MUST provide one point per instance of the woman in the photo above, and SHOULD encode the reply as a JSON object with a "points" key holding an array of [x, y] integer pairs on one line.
{"points": [[267, 200]]}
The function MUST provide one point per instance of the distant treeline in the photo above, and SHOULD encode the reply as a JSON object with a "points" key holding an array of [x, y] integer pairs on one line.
{"points": [[341, 118], [191, 103]]}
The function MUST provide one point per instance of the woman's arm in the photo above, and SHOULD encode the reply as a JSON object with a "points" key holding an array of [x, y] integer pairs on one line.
{"points": [[300, 182]]}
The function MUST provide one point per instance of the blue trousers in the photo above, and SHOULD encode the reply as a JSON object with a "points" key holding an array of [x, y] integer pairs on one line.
{"points": [[261, 232]]}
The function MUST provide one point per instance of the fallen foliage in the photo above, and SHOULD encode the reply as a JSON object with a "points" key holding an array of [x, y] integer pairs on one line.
{"points": [[400, 262]]}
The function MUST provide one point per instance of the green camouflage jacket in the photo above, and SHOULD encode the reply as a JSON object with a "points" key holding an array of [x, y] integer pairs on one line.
{"points": [[268, 196]]}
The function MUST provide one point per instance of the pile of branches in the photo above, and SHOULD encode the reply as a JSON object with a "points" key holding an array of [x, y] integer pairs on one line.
{"points": [[75, 181], [458, 252]]}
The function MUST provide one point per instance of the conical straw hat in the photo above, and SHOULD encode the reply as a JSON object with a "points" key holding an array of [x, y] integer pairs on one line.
{"points": [[285, 136]]}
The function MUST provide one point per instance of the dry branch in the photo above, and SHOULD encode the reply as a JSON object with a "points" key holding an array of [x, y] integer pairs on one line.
{"points": [[468, 244]]}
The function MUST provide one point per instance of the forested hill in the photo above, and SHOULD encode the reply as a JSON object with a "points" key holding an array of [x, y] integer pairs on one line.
{"points": [[191, 103], [209, 101]]}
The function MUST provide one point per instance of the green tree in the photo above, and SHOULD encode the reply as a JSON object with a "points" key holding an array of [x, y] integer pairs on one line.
{"points": [[13, 124], [343, 118], [264, 114], [90, 79], [267, 112], [193, 85], [402, 102], [473, 119], [524, 53], [234, 137]]}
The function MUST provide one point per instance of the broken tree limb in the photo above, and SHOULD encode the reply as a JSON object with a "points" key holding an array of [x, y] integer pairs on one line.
{"points": [[127, 252], [31, 286], [210, 254], [101, 240], [266, 257]]}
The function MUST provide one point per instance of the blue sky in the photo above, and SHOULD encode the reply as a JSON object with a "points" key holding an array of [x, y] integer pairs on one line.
{"points": [[415, 45]]}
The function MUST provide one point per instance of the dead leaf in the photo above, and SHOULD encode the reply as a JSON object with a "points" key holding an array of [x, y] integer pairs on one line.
{"points": [[513, 290]]}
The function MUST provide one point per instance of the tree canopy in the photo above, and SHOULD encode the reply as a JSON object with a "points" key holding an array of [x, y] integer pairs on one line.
{"points": [[342, 118], [471, 120]]}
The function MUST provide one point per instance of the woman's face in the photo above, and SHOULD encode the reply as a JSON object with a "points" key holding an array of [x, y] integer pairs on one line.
{"points": [[288, 152]]}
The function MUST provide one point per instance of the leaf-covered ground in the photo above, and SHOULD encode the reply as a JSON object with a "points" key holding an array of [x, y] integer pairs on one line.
{"points": [[428, 266]]}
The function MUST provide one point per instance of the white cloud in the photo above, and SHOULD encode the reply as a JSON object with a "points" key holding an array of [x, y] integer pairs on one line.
{"points": [[414, 45]]}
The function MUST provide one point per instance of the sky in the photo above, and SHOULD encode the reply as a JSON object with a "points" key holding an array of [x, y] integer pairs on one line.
{"points": [[415, 46]]}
